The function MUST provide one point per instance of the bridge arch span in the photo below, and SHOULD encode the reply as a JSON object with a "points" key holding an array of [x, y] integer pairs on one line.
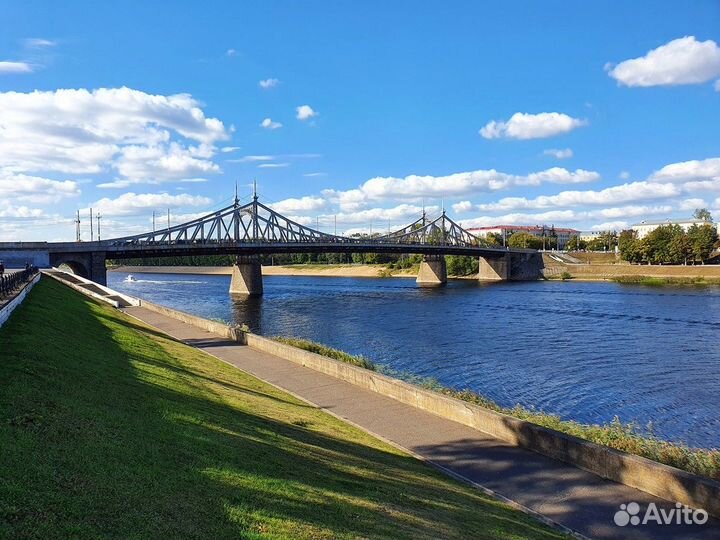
{"points": [[89, 264], [74, 267]]}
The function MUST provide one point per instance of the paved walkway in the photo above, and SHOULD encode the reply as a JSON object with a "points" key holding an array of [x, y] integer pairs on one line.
{"points": [[565, 494]]}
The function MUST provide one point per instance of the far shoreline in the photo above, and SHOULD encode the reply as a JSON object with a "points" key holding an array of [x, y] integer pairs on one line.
{"points": [[314, 270], [617, 273]]}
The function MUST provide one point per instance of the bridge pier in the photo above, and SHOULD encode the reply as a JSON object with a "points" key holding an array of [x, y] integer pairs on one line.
{"points": [[247, 276], [495, 269], [512, 266], [433, 271]]}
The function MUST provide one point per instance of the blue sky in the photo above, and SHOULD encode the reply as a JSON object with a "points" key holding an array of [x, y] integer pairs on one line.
{"points": [[605, 113]]}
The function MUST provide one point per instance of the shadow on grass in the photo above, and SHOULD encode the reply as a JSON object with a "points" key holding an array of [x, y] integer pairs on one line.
{"points": [[106, 432]]}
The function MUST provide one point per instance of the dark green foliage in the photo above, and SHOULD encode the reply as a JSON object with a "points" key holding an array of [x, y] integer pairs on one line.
{"points": [[460, 265], [670, 244], [525, 240]]}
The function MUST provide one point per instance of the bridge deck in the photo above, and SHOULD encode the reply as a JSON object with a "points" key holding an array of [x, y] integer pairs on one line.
{"points": [[569, 496]]}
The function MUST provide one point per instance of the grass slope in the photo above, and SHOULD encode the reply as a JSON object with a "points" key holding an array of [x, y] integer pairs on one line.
{"points": [[111, 430]]}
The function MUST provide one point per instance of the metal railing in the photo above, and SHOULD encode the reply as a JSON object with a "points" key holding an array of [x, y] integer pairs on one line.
{"points": [[9, 283]]}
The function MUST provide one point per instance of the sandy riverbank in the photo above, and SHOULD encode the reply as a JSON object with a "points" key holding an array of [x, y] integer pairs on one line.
{"points": [[315, 270]]}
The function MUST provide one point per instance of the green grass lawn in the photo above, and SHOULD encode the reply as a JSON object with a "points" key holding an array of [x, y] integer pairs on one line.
{"points": [[111, 430]]}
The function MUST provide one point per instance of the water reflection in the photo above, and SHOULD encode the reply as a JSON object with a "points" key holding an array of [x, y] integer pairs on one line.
{"points": [[247, 309]]}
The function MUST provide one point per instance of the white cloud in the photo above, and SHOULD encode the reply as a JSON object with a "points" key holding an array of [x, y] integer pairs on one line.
{"points": [[273, 165], [154, 164], [10, 67], [717, 85], [315, 174], [305, 112], [400, 213], [269, 124], [462, 207], [569, 217], [611, 226], [531, 126], [109, 129], [681, 61], [231, 52], [624, 193], [251, 159], [228, 149], [414, 187], [39, 43], [303, 204], [624, 175], [692, 204], [21, 212], [558, 175], [268, 83], [36, 189], [564, 153], [130, 203], [686, 171]]}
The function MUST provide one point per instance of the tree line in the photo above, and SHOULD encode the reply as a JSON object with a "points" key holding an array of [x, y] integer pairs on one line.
{"points": [[670, 244]]}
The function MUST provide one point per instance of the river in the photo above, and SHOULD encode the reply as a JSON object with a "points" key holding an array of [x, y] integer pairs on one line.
{"points": [[584, 351]]}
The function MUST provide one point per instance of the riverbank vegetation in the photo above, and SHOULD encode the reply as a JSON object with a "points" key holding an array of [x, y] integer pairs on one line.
{"points": [[670, 244], [662, 281], [110, 429], [627, 437]]}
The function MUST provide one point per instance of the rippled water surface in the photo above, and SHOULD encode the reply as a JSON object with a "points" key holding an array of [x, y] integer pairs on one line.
{"points": [[586, 351]]}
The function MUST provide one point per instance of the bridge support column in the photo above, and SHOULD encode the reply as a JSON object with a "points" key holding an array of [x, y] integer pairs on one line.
{"points": [[98, 270], [495, 269], [247, 276], [433, 272]]}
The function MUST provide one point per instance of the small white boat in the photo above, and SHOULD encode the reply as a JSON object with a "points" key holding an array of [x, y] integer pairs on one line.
{"points": [[130, 278]]}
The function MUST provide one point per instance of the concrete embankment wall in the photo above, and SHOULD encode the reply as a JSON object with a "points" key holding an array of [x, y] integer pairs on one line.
{"points": [[660, 480], [8, 308], [613, 271], [92, 289]]}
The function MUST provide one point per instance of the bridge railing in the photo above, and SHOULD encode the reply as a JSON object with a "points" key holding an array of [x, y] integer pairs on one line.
{"points": [[9, 283]]}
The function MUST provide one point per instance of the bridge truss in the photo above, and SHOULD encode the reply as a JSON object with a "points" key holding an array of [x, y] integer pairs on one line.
{"points": [[255, 223]]}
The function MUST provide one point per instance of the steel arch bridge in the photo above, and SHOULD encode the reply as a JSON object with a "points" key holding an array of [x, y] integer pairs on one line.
{"points": [[257, 228], [252, 229]]}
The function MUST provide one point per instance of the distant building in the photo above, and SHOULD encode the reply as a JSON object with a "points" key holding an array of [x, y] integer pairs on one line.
{"points": [[589, 236], [646, 227], [506, 231]]}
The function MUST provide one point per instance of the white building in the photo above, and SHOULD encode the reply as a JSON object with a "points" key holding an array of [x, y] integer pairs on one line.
{"points": [[589, 236], [506, 231], [644, 228]]}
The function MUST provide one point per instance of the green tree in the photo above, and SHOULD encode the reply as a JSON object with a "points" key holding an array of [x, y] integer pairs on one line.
{"points": [[629, 247], [680, 247], [524, 240], [575, 244], [596, 244], [704, 214], [656, 246], [460, 265], [702, 240], [494, 239]]}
